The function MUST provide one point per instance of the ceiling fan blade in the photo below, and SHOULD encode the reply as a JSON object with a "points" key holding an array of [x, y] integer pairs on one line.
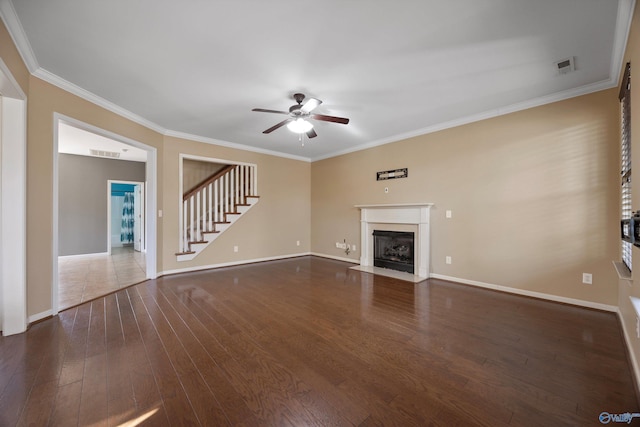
{"points": [[279, 125], [262, 110], [312, 133], [333, 119], [310, 105]]}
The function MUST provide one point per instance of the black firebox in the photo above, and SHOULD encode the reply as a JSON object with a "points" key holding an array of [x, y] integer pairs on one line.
{"points": [[394, 250]]}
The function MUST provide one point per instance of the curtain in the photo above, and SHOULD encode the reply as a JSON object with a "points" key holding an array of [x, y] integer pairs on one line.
{"points": [[126, 229]]}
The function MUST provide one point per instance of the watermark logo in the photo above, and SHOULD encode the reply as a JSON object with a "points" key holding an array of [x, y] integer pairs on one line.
{"points": [[627, 417]]}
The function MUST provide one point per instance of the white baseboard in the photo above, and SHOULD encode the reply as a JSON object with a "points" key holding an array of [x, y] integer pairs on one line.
{"points": [[634, 362], [230, 264], [82, 255], [39, 316], [541, 295], [337, 258]]}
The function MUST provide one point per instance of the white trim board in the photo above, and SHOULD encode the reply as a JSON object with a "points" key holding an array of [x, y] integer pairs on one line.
{"points": [[230, 264], [39, 316], [337, 258], [635, 368], [80, 256], [13, 194], [524, 292]]}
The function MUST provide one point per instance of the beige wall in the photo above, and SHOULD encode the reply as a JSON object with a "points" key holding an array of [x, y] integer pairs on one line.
{"points": [[534, 197], [43, 100], [627, 289], [534, 194], [11, 57], [194, 172], [270, 229]]}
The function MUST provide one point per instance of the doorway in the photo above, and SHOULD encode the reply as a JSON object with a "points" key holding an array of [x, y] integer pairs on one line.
{"points": [[99, 266], [125, 215]]}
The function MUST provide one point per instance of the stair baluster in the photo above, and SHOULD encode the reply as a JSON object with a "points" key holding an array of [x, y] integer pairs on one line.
{"points": [[213, 205]]}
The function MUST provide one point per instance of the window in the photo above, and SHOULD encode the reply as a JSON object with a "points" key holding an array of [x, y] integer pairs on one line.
{"points": [[625, 172]]}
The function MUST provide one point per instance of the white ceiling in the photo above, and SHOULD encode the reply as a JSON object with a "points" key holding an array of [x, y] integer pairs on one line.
{"points": [[395, 68]]}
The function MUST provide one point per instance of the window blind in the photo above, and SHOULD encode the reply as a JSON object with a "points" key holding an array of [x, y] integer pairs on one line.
{"points": [[625, 170]]}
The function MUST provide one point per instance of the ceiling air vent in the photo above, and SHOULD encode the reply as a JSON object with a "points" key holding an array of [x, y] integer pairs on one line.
{"points": [[103, 153], [566, 65]]}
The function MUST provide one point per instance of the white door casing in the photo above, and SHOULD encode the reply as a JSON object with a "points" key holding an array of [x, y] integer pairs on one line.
{"points": [[13, 193]]}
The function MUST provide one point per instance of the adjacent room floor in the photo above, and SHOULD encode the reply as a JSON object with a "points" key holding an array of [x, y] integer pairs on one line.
{"points": [[83, 278], [309, 341]]}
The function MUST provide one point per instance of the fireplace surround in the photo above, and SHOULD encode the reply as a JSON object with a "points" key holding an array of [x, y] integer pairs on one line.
{"points": [[409, 217]]}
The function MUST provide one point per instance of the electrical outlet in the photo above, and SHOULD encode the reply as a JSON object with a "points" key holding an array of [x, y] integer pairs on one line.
{"points": [[235, 249], [447, 260], [353, 248], [338, 245], [587, 278], [297, 242], [447, 214]]}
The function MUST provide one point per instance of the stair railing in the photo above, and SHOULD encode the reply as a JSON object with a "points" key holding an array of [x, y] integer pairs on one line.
{"points": [[210, 201]]}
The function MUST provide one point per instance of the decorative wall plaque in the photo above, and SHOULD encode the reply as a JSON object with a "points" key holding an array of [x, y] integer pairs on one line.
{"points": [[392, 174]]}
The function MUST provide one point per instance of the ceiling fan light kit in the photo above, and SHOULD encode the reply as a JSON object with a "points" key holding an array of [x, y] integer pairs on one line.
{"points": [[300, 125], [296, 122]]}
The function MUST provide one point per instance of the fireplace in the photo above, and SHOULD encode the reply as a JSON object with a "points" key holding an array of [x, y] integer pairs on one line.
{"points": [[403, 217], [394, 250]]}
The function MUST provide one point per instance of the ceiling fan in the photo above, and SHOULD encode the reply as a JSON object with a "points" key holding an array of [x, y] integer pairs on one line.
{"points": [[298, 113]]}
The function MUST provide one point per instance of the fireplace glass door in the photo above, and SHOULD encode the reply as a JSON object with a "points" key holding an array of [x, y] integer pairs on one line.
{"points": [[394, 250]]}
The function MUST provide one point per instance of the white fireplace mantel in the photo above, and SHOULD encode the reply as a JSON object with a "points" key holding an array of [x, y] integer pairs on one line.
{"points": [[405, 213]]}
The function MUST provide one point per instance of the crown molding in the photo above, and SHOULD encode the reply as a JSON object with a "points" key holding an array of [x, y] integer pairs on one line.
{"points": [[549, 99], [623, 27], [234, 145], [67, 86], [19, 37]]}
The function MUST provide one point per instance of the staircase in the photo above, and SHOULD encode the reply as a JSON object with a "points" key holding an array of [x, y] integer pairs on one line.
{"points": [[213, 206]]}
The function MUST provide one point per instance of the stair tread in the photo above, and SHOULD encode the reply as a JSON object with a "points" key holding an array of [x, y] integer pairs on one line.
{"points": [[185, 253], [193, 242], [210, 232]]}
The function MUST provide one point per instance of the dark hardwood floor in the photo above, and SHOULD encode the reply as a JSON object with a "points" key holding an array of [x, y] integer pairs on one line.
{"points": [[307, 341]]}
